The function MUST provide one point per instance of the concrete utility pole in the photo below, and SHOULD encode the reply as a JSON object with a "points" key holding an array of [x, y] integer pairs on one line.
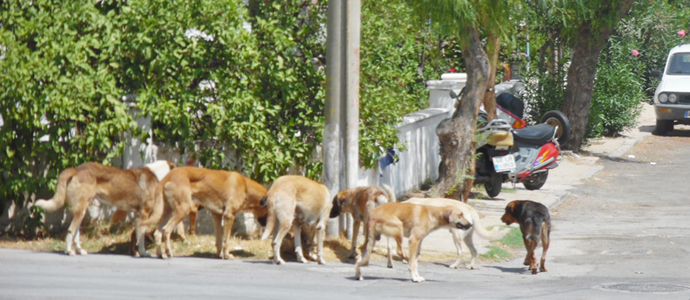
{"points": [[353, 23], [341, 134], [331, 134]]}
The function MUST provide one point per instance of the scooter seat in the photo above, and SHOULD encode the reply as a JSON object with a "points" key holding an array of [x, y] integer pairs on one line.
{"points": [[536, 135]]}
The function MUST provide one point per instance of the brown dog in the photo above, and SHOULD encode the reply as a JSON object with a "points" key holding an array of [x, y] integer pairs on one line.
{"points": [[128, 190], [535, 224], [294, 201], [410, 220], [359, 202], [459, 235], [223, 193], [255, 192]]}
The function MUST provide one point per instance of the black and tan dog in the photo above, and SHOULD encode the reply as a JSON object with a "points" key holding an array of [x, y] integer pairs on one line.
{"points": [[294, 201], [359, 202], [535, 224], [222, 193], [410, 220], [128, 190]]}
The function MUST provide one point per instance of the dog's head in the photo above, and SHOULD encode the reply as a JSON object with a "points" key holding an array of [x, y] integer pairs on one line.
{"points": [[509, 215], [337, 205], [456, 218]]}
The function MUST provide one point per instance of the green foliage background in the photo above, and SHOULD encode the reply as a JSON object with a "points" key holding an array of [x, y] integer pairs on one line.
{"points": [[214, 76], [622, 82]]}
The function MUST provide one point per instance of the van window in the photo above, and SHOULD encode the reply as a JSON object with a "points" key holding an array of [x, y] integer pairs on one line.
{"points": [[679, 64]]}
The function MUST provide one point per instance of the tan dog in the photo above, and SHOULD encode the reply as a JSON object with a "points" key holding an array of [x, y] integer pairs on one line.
{"points": [[294, 201], [359, 202], [410, 220], [128, 190], [223, 193], [255, 192], [460, 235]]}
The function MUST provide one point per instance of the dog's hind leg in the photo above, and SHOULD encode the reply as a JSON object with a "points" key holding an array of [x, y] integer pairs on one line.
{"points": [[77, 243], [457, 241], [73, 231], [545, 240], [283, 229], [469, 235], [370, 241], [321, 236], [297, 230], [217, 230], [228, 222], [140, 232], [355, 232], [158, 234]]}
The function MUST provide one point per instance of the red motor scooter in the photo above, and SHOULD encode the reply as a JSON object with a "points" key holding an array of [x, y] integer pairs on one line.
{"points": [[536, 147]]}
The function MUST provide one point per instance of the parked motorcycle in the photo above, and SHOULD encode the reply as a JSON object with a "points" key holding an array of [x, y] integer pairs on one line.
{"points": [[510, 151]]}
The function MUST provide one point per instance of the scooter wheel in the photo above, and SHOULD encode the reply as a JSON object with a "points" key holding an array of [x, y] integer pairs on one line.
{"points": [[493, 185], [558, 119], [535, 181]]}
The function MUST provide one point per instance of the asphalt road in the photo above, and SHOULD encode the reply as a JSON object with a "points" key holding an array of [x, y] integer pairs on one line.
{"points": [[622, 235]]}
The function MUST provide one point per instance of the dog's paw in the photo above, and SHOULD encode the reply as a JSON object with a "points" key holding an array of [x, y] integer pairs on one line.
{"points": [[143, 254], [70, 252], [322, 261], [279, 261], [352, 255], [82, 252], [418, 279]]}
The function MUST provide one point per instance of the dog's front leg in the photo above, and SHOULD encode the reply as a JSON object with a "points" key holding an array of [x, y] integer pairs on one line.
{"points": [[415, 243]]}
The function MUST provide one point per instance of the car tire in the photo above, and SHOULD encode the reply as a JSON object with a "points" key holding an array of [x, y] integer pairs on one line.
{"points": [[558, 119], [663, 127]]}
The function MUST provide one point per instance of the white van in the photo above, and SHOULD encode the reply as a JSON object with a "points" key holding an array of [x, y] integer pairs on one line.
{"points": [[672, 96]]}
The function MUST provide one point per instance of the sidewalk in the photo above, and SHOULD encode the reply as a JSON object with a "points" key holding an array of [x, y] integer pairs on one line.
{"points": [[573, 170]]}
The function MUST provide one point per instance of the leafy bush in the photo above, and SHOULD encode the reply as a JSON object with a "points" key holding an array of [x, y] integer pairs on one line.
{"points": [[214, 76], [60, 97]]}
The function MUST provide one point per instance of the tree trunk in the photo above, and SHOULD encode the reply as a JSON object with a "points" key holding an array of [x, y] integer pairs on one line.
{"points": [[456, 134], [588, 43], [489, 100]]}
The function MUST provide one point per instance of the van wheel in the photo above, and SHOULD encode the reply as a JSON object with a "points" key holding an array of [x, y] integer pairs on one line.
{"points": [[663, 127]]}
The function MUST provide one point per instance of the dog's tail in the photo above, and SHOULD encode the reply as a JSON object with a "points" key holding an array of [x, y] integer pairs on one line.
{"points": [[158, 204], [58, 200], [270, 218], [534, 227], [481, 230], [390, 194]]}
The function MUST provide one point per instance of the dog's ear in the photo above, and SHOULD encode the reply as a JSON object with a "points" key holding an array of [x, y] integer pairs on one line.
{"points": [[171, 164], [447, 213], [264, 201], [335, 209], [510, 207]]}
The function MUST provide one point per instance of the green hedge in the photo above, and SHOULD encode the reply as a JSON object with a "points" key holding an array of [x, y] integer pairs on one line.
{"points": [[248, 78]]}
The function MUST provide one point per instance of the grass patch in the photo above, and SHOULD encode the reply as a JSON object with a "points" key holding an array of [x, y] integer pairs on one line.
{"points": [[507, 247], [497, 253], [513, 238]]}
